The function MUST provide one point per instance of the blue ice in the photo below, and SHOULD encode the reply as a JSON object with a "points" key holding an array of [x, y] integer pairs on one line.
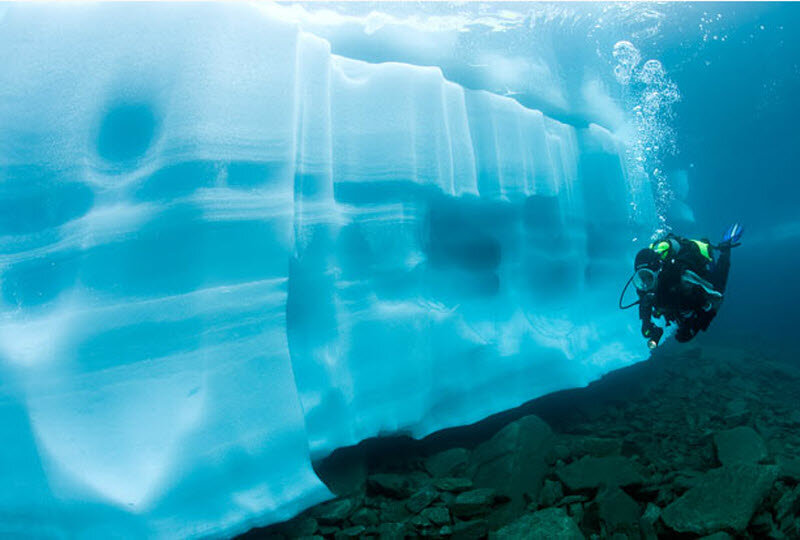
{"points": [[225, 252]]}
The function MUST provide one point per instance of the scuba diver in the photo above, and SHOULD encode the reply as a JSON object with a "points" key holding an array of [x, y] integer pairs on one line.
{"points": [[682, 280]]}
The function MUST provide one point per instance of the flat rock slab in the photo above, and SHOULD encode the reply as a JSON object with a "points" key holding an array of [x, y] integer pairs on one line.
{"points": [[593, 472], [470, 530], [788, 505], [579, 446], [739, 445], [448, 463], [356, 531], [551, 493], [717, 536], [421, 499], [394, 512], [392, 531], [619, 512], [474, 503], [365, 516], [514, 461], [299, 527], [789, 468], [335, 511], [547, 524], [391, 485], [455, 485], [724, 499], [438, 515]]}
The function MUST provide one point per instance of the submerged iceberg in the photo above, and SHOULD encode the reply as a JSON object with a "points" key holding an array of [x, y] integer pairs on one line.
{"points": [[227, 251]]}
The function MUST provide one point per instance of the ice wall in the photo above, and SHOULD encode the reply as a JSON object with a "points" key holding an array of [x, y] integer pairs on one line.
{"points": [[225, 251]]}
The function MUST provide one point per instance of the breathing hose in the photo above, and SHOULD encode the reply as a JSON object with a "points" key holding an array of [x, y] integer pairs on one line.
{"points": [[622, 295]]}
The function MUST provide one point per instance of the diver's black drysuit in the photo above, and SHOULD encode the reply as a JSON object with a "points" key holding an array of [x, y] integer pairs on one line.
{"points": [[689, 287]]}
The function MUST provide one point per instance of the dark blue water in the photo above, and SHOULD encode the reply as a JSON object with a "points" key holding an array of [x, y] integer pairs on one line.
{"points": [[737, 129]]}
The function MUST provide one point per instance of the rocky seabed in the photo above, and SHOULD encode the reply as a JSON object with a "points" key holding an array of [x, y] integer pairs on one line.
{"points": [[695, 443]]}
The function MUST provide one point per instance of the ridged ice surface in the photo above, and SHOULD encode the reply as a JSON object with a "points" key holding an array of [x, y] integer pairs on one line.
{"points": [[225, 251]]}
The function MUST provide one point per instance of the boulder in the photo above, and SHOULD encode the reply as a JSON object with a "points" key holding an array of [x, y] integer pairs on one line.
{"points": [[619, 512], [356, 531], [790, 528], [593, 472], [763, 526], [551, 493], [365, 516], [474, 503], [390, 485], [717, 536], [788, 505], [344, 473], [438, 515], [394, 511], [547, 524], [448, 463], [420, 522], [514, 461], [736, 411], [789, 468], [455, 484], [392, 531], [417, 479], [328, 530], [421, 499], [648, 522], [470, 530], [559, 451], [335, 511], [592, 446], [447, 498], [299, 526], [572, 499], [576, 512], [724, 499], [739, 445]]}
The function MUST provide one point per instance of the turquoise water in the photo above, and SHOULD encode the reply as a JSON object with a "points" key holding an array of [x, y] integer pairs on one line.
{"points": [[727, 115], [235, 238]]}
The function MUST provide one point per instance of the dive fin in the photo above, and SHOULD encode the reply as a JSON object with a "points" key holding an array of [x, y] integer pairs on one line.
{"points": [[733, 235]]}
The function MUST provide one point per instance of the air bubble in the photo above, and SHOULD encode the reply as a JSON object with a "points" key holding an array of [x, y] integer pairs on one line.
{"points": [[652, 72], [628, 57], [649, 94]]}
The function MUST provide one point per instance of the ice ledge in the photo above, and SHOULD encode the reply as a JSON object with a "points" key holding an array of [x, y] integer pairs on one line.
{"points": [[215, 264]]}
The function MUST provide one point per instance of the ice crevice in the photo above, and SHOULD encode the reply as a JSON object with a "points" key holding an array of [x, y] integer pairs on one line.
{"points": [[225, 252]]}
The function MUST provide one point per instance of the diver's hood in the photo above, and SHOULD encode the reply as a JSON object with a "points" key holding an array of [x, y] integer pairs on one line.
{"points": [[646, 258]]}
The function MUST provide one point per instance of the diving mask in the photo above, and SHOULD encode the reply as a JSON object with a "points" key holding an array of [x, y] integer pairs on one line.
{"points": [[645, 280]]}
